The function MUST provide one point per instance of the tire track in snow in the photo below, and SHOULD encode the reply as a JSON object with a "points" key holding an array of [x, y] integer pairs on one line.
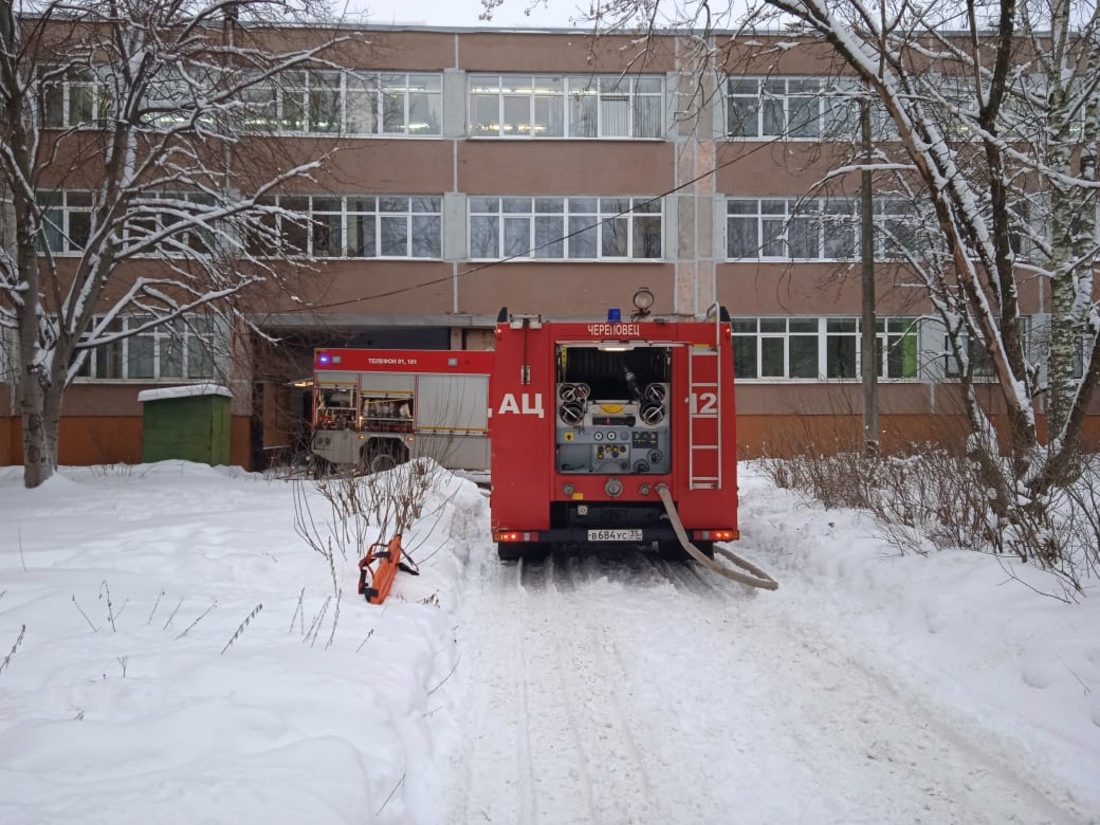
{"points": [[496, 739], [560, 707], [619, 690], [524, 762], [605, 732]]}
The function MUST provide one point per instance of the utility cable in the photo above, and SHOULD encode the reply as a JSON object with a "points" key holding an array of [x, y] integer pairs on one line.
{"points": [[526, 255]]}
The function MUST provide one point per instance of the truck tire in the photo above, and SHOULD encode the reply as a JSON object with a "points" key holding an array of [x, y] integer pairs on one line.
{"points": [[317, 467], [381, 454], [516, 550], [672, 551], [509, 551], [382, 461]]}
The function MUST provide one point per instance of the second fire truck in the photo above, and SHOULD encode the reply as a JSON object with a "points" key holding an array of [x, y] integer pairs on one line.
{"points": [[373, 409]]}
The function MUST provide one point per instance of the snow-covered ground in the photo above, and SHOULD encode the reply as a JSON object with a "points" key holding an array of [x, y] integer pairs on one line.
{"points": [[172, 663]]}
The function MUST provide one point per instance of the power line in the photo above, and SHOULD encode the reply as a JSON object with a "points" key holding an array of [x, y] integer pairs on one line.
{"points": [[527, 253]]}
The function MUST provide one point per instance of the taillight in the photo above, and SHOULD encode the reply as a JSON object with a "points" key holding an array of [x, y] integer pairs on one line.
{"points": [[715, 535], [514, 535]]}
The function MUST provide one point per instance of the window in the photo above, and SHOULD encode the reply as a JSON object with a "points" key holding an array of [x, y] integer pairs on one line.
{"points": [[978, 356], [1038, 343], [806, 108], [896, 235], [80, 98], [842, 347], [951, 101], [776, 347], [66, 220], [975, 353], [9, 358], [820, 348], [821, 229], [554, 106], [786, 229], [154, 213], [897, 347], [1022, 230], [788, 107], [175, 95], [346, 102], [351, 226], [565, 228], [411, 104], [188, 348]]}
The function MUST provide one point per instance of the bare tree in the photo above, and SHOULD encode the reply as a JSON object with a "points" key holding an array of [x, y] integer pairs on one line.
{"points": [[993, 112], [131, 139]]}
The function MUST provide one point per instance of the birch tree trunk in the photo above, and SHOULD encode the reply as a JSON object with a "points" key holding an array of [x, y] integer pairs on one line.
{"points": [[1063, 293]]}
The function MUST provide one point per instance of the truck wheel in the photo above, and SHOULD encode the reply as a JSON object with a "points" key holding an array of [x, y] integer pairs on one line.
{"points": [[516, 550], [317, 467], [382, 461], [672, 550], [509, 551], [536, 551], [707, 547], [384, 454]]}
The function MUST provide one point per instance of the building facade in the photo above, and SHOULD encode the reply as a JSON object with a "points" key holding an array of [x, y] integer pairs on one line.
{"points": [[550, 173]]}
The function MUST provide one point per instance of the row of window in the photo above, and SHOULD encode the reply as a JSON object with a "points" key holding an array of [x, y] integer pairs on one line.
{"points": [[351, 227], [320, 102], [563, 228], [349, 102], [809, 348], [364, 226], [829, 348]]}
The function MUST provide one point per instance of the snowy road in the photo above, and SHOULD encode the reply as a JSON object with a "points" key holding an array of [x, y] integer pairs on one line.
{"points": [[624, 689]]}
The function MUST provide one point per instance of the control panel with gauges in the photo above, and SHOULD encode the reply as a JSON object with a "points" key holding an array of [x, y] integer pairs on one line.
{"points": [[619, 421]]}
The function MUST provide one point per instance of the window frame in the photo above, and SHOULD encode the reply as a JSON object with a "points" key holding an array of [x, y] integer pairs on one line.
{"points": [[122, 355], [201, 241], [76, 78], [832, 221], [292, 98], [591, 226], [825, 331], [60, 200], [352, 207], [574, 94], [836, 105], [770, 96], [774, 217]]}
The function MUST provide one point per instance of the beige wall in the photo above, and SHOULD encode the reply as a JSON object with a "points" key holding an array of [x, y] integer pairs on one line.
{"points": [[568, 52], [562, 289]]}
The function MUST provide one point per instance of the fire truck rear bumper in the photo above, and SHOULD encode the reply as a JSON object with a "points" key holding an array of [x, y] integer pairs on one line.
{"points": [[610, 536]]}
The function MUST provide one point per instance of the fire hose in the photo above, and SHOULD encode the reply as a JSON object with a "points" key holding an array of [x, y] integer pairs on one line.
{"points": [[755, 576]]}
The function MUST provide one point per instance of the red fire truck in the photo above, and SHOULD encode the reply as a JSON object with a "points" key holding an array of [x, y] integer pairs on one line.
{"points": [[613, 432], [373, 408]]}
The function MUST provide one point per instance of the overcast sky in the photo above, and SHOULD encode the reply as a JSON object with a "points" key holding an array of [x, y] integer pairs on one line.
{"points": [[511, 14]]}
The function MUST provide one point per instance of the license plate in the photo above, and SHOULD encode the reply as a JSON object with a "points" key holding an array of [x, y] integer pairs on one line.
{"points": [[614, 535]]}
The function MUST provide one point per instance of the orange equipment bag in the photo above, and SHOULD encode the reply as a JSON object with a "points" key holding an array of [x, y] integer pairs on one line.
{"points": [[382, 575]]}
